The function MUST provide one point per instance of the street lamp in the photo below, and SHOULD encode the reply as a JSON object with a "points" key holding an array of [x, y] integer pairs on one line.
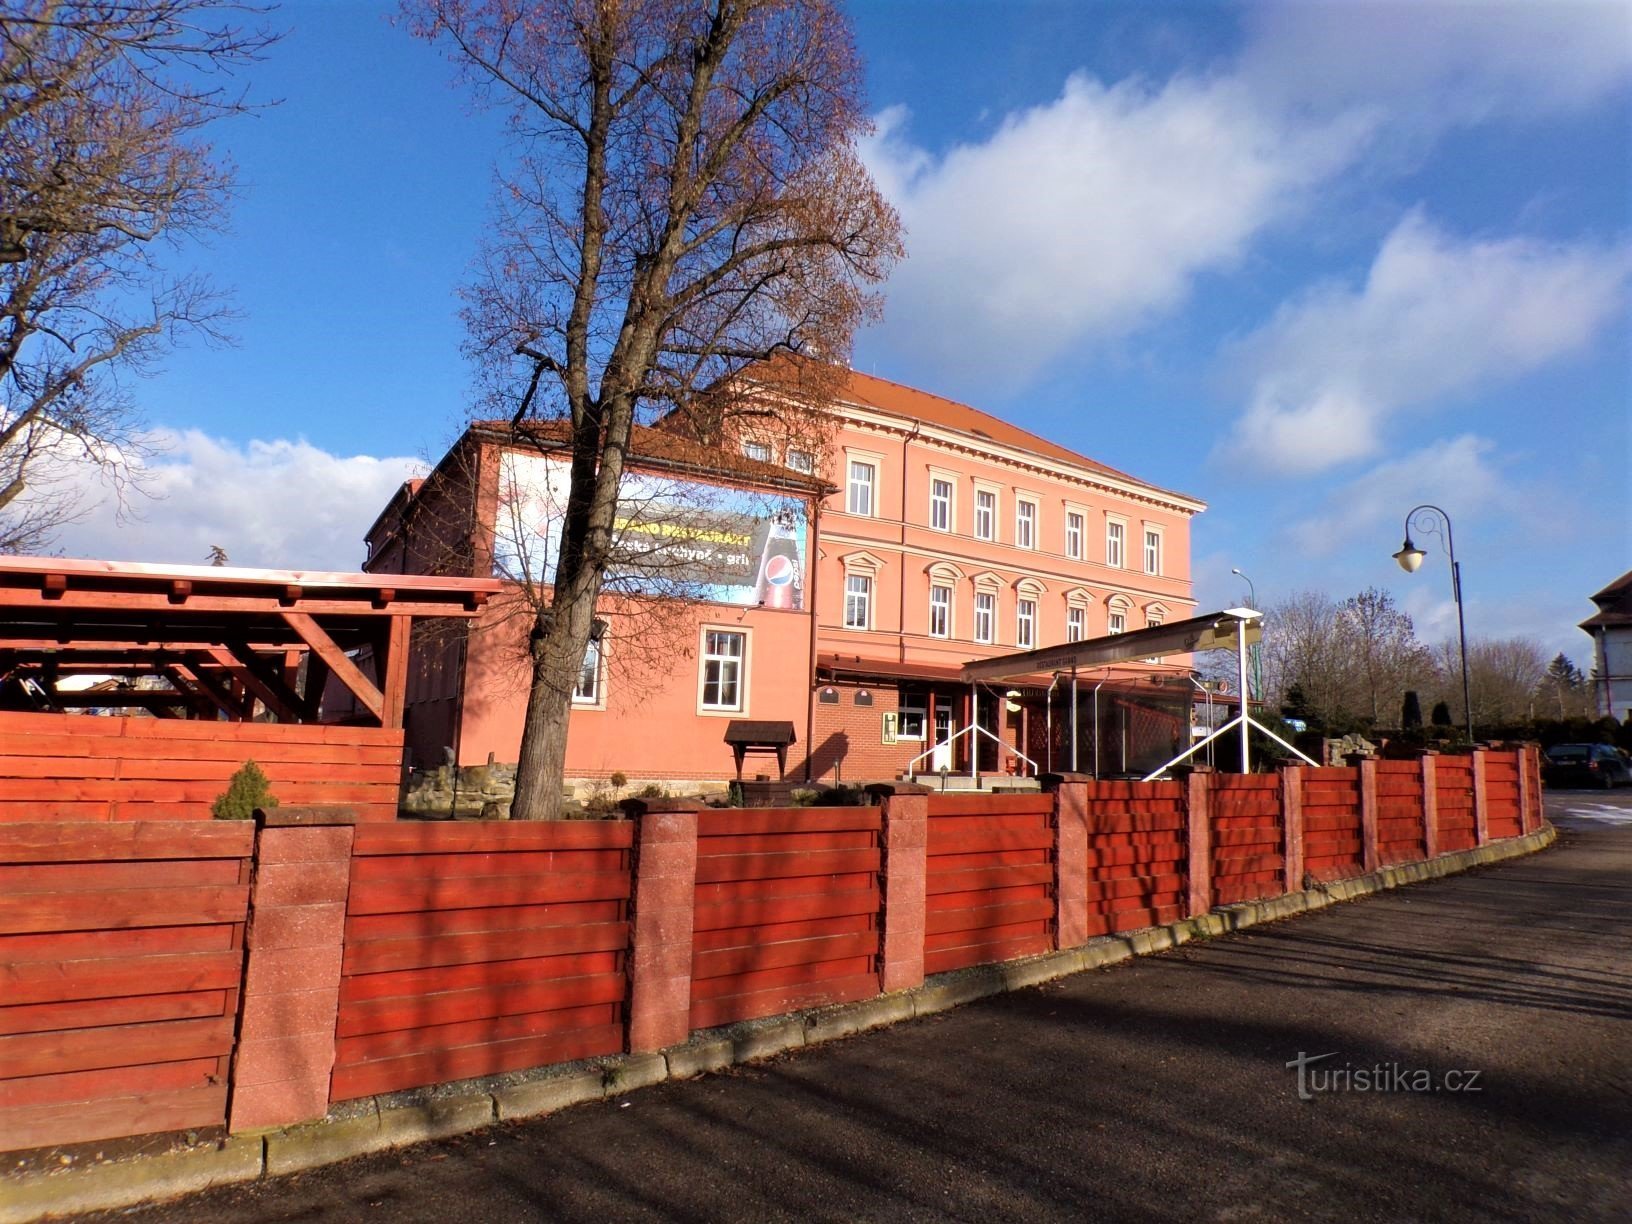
{"points": [[1411, 557], [1257, 693]]}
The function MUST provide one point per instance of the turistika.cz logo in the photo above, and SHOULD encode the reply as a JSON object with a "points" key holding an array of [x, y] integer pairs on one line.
{"points": [[1314, 1078]]}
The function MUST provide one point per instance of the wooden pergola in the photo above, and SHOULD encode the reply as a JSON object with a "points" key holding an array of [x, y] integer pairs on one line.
{"points": [[211, 642]]}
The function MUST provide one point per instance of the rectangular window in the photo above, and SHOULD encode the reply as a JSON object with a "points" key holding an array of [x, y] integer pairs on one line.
{"points": [[858, 601], [1025, 524], [1116, 540], [940, 611], [1153, 551], [588, 689], [985, 616], [985, 514], [801, 461], [1116, 623], [760, 451], [1074, 623], [1153, 619], [910, 725], [1025, 623], [863, 477], [722, 669], [940, 504], [1073, 535]]}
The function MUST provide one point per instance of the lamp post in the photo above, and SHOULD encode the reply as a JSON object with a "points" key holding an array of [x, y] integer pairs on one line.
{"points": [[1257, 693], [1411, 557]]}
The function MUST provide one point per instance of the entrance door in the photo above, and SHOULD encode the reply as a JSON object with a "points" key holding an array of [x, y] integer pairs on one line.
{"points": [[941, 758]]}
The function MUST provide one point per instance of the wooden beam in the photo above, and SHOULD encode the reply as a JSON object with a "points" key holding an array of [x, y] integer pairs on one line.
{"points": [[246, 675], [317, 679], [347, 672], [218, 696], [393, 669]]}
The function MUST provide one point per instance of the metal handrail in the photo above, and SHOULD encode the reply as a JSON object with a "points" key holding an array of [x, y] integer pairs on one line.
{"points": [[912, 765]]}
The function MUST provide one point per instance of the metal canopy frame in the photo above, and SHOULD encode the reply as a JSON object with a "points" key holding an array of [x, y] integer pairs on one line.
{"points": [[216, 641]]}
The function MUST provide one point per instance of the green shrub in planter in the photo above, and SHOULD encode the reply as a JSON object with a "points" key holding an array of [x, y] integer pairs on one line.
{"points": [[247, 791]]}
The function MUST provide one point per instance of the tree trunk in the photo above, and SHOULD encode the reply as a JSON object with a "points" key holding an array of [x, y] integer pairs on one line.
{"points": [[559, 639]]}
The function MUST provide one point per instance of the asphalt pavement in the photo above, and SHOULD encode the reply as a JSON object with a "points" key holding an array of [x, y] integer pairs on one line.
{"points": [[1465, 1050]]}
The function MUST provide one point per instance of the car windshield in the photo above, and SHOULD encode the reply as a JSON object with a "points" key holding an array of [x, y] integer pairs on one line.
{"points": [[1569, 752]]}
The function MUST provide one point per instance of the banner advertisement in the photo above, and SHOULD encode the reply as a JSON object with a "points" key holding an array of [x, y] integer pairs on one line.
{"points": [[672, 536]]}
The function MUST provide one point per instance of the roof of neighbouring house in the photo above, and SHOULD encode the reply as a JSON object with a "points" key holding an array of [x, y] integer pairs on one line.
{"points": [[1614, 604]]}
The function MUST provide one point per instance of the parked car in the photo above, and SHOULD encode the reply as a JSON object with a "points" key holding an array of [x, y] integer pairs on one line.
{"points": [[1586, 765]]}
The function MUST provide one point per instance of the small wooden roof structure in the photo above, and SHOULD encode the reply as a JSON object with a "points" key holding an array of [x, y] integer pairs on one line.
{"points": [[213, 641]]}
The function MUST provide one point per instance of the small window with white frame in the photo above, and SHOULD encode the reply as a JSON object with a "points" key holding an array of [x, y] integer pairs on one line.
{"points": [[1074, 525], [1116, 543], [757, 450], [724, 652], [911, 720], [587, 692], [1116, 622], [940, 611], [985, 514], [1153, 551], [1076, 620], [1153, 619], [858, 601], [1025, 623], [1025, 523], [940, 503], [801, 460], [985, 616], [863, 485]]}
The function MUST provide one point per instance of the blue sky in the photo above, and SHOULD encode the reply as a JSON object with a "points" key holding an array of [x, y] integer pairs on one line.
{"points": [[1313, 263]]}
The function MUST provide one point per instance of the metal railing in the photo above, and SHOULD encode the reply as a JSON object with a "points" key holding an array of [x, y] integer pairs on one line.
{"points": [[912, 765]]}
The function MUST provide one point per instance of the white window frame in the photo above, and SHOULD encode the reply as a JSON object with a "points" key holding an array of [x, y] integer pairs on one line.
{"points": [[749, 445], [901, 732], [1153, 549], [1025, 622], [1116, 622], [1026, 525], [595, 699], [943, 607], [854, 486], [1076, 624], [804, 464], [986, 611], [707, 656], [940, 508], [1116, 543], [1076, 532], [860, 595], [992, 512]]}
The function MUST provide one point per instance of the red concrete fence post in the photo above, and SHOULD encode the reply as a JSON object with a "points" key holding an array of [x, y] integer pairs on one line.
{"points": [[1070, 793], [1292, 825], [1524, 757], [1199, 838], [660, 934], [1371, 857], [294, 944], [1430, 806], [905, 883], [1481, 801]]}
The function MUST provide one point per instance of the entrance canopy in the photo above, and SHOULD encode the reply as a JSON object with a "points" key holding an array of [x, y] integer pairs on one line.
{"points": [[213, 641], [1215, 631]]}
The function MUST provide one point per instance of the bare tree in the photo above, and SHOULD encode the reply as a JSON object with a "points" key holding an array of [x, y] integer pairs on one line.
{"points": [[1386, 657], [1304, 649], [102, 171], [1504, 678], [685, 200]]}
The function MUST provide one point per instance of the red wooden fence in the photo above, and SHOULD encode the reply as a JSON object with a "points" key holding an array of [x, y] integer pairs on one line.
{"points": [[472, 949], [1248, 863], [1453, 790], [1502, 795], [1331, 823], [79, 767], [990, 879], [1399, 812], [1136, 855], [786, 913], [121, 959]]}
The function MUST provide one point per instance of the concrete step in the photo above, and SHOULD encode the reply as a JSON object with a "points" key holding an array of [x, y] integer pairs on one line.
{"points": [[987, 783]]}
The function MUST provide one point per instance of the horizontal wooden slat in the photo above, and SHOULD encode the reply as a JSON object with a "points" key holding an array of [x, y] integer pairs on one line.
{"points": [[1030, 909], [730, 822], [124, 1045], [788, 976], [416, 983], [775, 1000], [94, 1013], [99, 877], [489, 1030], [64, 981], [398, 896], [716, 869], [56, 842], [479, 1002], [87, 1087], [131, 907], [493, 836], [995, 877], [731, 914], [753, 934], [787, 843], [954, 803], [474, 947], [488, 863], [740, 960], [112, 1117], [435, 923], [467, 1062]]}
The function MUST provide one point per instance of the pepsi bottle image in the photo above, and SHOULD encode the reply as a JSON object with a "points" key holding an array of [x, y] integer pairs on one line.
{"points": [[780, 584]]}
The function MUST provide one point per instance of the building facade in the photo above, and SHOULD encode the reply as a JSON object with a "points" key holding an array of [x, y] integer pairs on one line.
{"points": [[922, 534], [1611, 632]]}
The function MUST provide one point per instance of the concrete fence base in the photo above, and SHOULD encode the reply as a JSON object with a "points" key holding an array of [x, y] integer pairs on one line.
{"points": [[361, 1127]]}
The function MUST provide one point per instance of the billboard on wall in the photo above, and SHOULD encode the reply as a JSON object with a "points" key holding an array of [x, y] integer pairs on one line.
{"points": [[672, 536]]}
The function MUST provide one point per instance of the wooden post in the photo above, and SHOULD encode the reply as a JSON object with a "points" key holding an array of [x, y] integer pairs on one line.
{"points": [[1292, 825], [1070, 793], [1371, 855], [1481, 808], [665, 898], [1199, 838], [295, 942], [905, 884], [1430, 807], [1529, 798]]}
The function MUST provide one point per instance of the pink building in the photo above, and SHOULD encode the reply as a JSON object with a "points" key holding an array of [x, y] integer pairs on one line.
{"points": [[926, 535]]}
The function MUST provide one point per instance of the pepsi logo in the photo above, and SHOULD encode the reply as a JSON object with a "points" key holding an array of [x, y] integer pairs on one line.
{"points": [[779, 571]]}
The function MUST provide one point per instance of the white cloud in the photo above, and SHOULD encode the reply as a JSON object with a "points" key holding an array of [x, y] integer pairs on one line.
{"points": [[1434, 65], [280, 504], [1436, 317], [1086, 216]]}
